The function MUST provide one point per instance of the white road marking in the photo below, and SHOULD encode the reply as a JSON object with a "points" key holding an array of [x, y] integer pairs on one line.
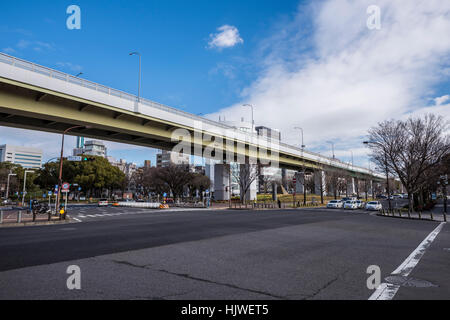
{"points": [[387, 291], [81, 216], [78, 220]]}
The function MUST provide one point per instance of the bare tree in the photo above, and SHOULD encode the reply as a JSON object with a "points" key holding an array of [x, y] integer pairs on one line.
{"points": [[245, 177], [410, 149], [175, 177]]}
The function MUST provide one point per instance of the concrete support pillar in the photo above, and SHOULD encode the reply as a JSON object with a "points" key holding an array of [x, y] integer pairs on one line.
{"points": [[319, 179], [250, 195], [221, 182], [351, 186], [300, 184], [284, 180], [370, 188], [274, 191], [357, 187]]}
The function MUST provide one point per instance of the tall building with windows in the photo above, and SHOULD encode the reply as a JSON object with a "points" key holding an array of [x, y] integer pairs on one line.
{"points": [[29, 158], [91, 148], [165, 158]]}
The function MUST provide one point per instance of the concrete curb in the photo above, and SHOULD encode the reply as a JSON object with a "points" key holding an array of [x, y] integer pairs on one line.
{"points": [[408, 218], [35, 224]]}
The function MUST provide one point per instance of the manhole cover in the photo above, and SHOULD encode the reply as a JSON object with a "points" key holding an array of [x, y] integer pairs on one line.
{"points": [[409, 282]]}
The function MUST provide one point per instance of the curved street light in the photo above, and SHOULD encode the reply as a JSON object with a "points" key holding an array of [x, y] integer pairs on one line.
{"points": [[61, 165], [253, 121], [140, 74]]}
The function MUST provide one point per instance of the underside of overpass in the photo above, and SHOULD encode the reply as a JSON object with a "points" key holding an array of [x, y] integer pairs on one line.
{"points": [[30, 107]]}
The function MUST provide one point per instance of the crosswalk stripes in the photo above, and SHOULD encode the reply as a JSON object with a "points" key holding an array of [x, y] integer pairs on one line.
{"points": [[103, 213]]}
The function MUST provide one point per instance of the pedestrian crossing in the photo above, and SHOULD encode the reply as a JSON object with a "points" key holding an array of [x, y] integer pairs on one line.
{"points": [[96, 213]]}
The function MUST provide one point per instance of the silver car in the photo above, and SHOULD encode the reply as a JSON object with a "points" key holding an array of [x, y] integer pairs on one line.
{"points": [[334, 204], [374, 206], [351, 204]]}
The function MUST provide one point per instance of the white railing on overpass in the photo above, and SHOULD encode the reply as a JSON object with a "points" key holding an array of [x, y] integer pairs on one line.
{"points": [[312, 156]]}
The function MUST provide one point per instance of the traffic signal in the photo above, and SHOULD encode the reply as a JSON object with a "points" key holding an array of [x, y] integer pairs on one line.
{"points": [[88, 159]]}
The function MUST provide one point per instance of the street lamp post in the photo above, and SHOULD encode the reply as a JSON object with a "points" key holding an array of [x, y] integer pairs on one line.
{"points": [[353, 164], [140, 74], [332, 148], [7, 184], [61, 166], [24, 185], [387, 171], [304, 168], [253, 122]]}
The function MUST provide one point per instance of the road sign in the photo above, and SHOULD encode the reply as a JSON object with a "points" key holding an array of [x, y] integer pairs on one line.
{"points": [[65, 187], [50, 193], [74, 158]]}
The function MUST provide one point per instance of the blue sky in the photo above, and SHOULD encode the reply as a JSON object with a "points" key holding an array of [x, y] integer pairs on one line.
{"points": [[172, 37], [312, 64]]}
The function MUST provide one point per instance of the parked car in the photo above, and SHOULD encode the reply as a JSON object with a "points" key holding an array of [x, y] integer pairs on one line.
{"points": [[335, 204], [374, 206], [361, 204], [351, 205], [103, 203]]}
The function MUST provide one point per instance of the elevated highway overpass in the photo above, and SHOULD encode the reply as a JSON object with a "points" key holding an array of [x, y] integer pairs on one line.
{"points": [[39, 98]]}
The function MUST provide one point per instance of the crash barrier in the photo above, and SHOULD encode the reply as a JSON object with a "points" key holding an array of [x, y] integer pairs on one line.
{"points": [[273, 205], [188, 205], [401, 213], [145, 205], [21, 216]]}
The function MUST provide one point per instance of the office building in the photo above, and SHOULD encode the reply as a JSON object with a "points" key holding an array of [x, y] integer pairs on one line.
{"points": [[29, 158], [166, 158], [91, 148]]}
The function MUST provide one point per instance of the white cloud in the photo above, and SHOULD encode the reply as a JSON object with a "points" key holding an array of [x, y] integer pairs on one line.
{"points": [[70, 66], [227, 37], [440, 100], [38, 46], [9, 50], [350, 78]]}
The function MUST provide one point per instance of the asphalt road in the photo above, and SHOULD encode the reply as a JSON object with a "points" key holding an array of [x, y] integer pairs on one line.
{"points": [[293, 254]]}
